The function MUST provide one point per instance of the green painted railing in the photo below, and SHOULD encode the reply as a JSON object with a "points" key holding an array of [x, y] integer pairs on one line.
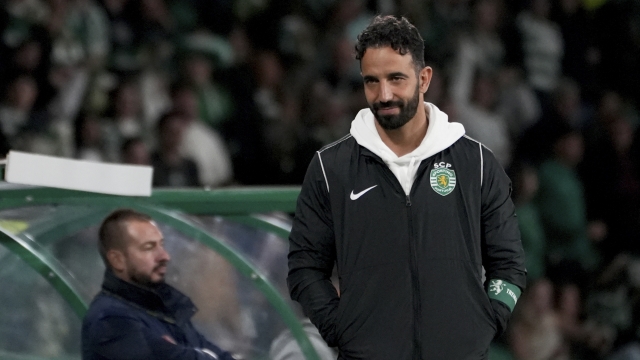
{"points": [[232, 201], [13, 356]]}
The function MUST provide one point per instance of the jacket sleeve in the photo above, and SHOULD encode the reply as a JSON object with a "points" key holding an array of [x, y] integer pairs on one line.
{"points": [[126, 338], [206, 345], [502, 252], [312, 253]]}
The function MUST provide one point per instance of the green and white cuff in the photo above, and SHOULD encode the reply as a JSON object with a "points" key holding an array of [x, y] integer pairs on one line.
{"points": [[504, 291]]}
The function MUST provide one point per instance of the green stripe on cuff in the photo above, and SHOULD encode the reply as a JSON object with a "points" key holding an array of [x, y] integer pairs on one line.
{"points": [[504, 292]]}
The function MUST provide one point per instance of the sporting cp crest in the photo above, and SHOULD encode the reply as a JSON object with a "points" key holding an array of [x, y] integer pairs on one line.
{"points": [[443, 181], [496, 286]]}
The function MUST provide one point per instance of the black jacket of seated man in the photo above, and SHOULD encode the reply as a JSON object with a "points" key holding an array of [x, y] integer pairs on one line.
{"points": [[137, 315]]}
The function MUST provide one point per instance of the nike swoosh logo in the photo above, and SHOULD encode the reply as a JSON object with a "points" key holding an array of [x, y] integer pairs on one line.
{"points": [[357, 196]]}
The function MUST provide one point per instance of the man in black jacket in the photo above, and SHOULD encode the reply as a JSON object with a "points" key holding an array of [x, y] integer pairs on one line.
{"points": [[411, 211], [137, 315]]}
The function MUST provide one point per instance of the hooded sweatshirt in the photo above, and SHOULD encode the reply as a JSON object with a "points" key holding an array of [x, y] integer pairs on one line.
{"points": [[440, 135]]}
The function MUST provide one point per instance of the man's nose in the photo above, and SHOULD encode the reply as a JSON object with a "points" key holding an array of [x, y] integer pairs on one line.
{"points": [[385, 92], [164, 255]]}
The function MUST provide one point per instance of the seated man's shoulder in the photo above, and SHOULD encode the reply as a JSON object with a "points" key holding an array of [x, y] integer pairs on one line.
{"points": [[105, 306]]}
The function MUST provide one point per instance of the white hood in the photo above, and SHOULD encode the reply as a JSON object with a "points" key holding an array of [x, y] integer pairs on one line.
{"points": [[440, 135]]}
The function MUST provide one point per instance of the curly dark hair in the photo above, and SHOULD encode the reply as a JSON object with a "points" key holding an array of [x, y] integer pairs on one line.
{"points": [[398, 33]]}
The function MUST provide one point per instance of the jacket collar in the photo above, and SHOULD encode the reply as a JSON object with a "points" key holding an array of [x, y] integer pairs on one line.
{"points": [[164, 300], [366, 152]]}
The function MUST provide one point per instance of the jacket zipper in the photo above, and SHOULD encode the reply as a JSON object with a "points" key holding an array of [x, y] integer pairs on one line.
{"points": [[413, 263], [415, 282]]}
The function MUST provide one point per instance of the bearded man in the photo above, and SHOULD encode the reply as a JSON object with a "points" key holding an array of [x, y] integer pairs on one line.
{"points": [[137, 315], [409, 210]]}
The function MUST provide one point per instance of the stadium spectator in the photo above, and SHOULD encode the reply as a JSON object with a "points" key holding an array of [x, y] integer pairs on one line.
{"points": [[201, 143], [89, 141], [170, 167], [525, 188], [535, 333], [543, 49], [135, 152], [563, 210]]}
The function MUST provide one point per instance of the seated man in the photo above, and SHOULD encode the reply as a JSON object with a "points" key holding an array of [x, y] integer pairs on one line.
{"points": [[137, 315]]}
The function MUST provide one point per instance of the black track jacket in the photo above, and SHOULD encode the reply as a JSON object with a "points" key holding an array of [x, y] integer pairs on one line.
{"points": [[409, 266]]}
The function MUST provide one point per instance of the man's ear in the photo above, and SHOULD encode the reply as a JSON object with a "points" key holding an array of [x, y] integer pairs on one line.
{"points": [[116, 260], [425, 78]]}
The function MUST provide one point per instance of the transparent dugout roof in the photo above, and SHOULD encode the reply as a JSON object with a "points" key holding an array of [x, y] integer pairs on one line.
{"points": [[233, 267], [35, 321]]}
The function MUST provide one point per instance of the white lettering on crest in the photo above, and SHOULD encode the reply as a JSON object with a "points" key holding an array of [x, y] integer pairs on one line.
{"points": [[441, 165]]}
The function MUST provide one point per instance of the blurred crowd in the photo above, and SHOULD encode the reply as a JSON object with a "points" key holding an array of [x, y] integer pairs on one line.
{"points": [[220, 92]]}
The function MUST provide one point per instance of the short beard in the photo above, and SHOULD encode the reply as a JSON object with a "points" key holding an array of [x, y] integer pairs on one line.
{"points": [[145, 280], [407, 112]]}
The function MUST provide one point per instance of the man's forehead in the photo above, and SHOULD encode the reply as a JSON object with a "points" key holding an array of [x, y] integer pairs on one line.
{"points": [[387, 57], [138, 230]]}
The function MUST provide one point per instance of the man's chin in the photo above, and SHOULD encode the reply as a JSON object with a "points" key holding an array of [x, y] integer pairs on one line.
{"points": [[157, 281], [149, 282], [391, 122]]}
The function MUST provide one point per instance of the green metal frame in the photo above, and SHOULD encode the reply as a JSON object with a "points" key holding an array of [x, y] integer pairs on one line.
{"points": [[240, 201], [47, 266], [11, 356], [231, 203]]}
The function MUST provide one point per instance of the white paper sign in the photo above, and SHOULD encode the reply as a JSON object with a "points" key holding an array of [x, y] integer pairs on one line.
{"points": [[64, 173]]}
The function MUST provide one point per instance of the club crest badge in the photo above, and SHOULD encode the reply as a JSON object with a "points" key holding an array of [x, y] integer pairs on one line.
{"points": [[443, 181], [496, 286]]}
